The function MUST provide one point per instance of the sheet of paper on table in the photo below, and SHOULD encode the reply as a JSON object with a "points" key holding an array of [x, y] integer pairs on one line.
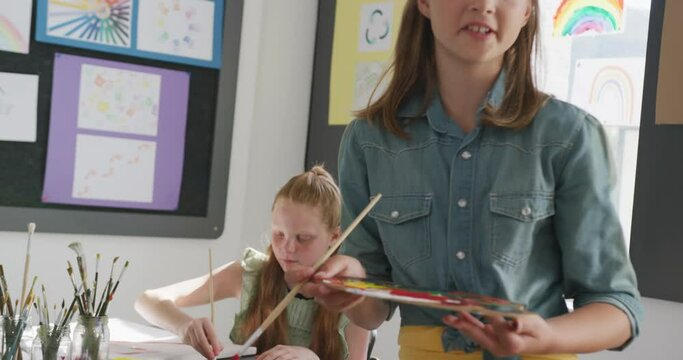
{"points": [[130, 340]]}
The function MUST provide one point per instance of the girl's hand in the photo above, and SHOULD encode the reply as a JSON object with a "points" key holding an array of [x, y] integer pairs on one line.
{"points": [[199, 334], [528, 334], [337, 265], [285, 352]]}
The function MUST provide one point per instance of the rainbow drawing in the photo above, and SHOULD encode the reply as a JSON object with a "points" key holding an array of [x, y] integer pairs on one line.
{"points": [[11, 39], [613, 85], [576, 17]]}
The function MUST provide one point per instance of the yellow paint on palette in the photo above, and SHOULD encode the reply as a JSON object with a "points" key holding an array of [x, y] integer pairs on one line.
{"points": [[360, 53]]}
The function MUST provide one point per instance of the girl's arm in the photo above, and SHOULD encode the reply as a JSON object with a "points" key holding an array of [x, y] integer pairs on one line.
{"points": [[370, 313], [162, 307], [367, 313], [358, 340], [593, 327]]}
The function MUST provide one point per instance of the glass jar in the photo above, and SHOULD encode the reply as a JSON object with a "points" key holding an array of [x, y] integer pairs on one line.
{"points": [[51, 343], [2, 336], [90, 340], [12, 330]]}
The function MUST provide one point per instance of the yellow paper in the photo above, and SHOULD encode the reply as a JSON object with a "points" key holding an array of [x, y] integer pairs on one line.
{"points": [[363, 41]]}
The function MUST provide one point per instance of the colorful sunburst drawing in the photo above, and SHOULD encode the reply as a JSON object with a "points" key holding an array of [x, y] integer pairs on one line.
{"points": [[105, 22]]}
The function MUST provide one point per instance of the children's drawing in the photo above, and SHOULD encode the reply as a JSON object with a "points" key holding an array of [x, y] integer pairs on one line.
{"points": [[119, 100], [15, 25], [177, 27], [611, 89], [375, 27], [18, 105], [109, 168], [182, 31], [105, 22], [452, 300], [106, 147], [368, 74], [577, 17]]}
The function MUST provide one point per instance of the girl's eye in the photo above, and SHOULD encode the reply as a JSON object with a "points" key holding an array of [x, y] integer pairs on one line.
{"points": [[304, 238], [278, 236]]}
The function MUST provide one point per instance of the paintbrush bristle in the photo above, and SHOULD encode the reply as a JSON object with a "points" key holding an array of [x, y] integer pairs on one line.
{"points": [[77, 248]]}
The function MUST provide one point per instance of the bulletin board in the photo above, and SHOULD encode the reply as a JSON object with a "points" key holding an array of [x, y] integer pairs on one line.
{"points": [[200, 209], [354, 42], [657, 243]]}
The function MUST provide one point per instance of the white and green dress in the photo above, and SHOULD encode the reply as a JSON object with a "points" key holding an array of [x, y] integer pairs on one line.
{"points": [[300, 312]]}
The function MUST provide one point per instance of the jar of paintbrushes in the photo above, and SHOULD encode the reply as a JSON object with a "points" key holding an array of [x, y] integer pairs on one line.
{"points": [[90, 340], [52, 342], [15, 315], [53, 338]]}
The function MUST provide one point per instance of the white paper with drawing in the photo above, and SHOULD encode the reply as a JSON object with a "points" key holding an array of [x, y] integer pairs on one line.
{"points": [[18, 106], [109, 168], [177, 27], [611, 89], [119, 100], [15, 25]]}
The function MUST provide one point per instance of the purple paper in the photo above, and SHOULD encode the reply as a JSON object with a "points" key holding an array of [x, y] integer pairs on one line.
{"points": [[161, 149]]}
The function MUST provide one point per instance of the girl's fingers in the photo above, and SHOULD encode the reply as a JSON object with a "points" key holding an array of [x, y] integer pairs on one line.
{"points": [[215, 344], [203, 343], [476, 331]]}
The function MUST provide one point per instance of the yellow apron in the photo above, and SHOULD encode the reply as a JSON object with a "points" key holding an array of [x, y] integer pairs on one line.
{"points": [[424, 342]]}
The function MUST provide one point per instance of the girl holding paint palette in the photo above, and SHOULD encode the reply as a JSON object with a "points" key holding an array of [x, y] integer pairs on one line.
{"points": [[305, 223], [489, 186]]}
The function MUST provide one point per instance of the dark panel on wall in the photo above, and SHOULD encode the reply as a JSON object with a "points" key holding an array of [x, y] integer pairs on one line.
{"points": [[657, 232]]}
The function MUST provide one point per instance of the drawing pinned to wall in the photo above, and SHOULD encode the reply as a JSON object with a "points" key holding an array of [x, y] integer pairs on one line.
{"points": [[108, 168], [579, 17], [91, 160], [375, 27], [18, 106], [359, 56], [119, 100], [611, 89], [15, 25], [368, 74], [181, 31], [177, 27], [91, 21]]}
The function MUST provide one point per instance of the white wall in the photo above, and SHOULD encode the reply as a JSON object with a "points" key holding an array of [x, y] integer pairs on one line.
{"points": [[269, 138]]}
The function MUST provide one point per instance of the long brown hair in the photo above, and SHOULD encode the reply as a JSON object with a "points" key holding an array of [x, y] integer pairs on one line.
{"points": [[413, 70], [316, 188]]}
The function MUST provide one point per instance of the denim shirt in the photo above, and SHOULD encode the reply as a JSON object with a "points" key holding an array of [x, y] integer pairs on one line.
{"points": [[524, 215]]}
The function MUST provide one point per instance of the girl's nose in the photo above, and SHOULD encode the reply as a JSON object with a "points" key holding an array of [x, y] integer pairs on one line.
{"points": [[483, 6], [290, 244]]}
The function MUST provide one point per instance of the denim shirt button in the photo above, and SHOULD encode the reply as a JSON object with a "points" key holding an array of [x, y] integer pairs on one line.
{"points": [[394, 214], [462, 203], [460, 255], [526, 211], [466, 155]]}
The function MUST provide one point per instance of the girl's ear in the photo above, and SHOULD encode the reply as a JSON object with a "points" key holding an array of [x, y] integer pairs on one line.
{"points": [[423, 7], [530, 11], [335, 235]]}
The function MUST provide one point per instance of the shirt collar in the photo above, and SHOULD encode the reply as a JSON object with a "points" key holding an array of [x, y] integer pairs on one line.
{"points": [[435, 113]]}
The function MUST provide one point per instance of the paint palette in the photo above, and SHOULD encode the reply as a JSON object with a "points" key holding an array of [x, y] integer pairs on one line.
{"points": [[453, 300]]}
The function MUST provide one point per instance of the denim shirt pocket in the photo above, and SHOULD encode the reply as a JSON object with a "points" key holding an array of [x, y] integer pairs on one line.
{"points": [[516, 219], [403, 222]]}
